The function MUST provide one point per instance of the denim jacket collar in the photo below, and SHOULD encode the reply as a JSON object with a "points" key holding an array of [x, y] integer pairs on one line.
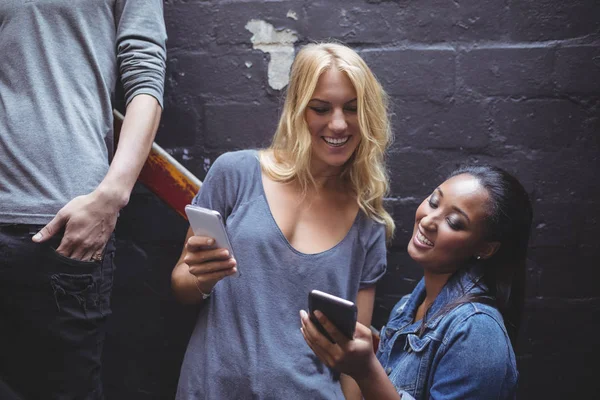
{"points": [[413, 359], [468, 280]]}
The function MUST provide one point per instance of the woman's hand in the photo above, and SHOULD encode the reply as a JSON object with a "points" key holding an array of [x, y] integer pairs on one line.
{"points": [[351, 357], [207, 264]]}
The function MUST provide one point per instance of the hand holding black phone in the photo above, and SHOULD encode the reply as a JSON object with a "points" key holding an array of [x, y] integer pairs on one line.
{"points": [[341, 313]]}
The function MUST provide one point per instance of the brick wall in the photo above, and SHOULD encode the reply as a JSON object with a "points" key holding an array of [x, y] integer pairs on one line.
{"points": [[511, 82]]}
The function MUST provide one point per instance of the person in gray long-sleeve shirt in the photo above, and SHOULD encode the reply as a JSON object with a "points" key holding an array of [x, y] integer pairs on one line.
{"points": [[59, 195]]}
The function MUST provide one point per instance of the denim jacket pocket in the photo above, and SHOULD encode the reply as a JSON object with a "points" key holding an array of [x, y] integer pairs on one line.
{"points": [[417, 344], [409, 369]]}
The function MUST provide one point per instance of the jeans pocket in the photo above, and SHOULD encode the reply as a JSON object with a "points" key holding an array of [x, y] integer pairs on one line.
{"points": [[76, 295], [71, 261], [81, 288]]}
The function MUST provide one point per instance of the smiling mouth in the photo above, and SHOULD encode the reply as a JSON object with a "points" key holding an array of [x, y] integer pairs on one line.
{"points": [[421, 238], [336, 142]]}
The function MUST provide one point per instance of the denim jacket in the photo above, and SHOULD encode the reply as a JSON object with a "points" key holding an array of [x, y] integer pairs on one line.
{"points": [[465, 354]]}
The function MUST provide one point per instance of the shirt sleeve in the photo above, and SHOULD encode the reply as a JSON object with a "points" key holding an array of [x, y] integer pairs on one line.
{"points": [[219, 189], [476, 364], [376, 257], [141, 47]]}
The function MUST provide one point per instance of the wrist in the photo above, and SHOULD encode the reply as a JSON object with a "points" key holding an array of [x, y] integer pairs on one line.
{"points": [[368, 373], [113, 195], [203, 292]]}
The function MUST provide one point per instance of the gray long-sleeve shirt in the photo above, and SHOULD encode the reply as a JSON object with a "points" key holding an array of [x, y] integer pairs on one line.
{"points": [[59, 63]]}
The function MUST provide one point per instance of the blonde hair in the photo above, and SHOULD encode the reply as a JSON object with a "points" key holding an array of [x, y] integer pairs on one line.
{"points": [[291, 145]]}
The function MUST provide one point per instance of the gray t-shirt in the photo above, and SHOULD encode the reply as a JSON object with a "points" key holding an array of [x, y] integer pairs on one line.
{"points": [[247, 342], [59, 62]]}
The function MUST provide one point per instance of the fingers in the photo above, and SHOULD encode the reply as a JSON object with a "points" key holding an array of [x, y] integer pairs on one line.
{"points": [[318, 352], [196, 243], [70, 245], [318, 341], [82, 243], [329, 353], [330, 328], [207, 264], [312, 336], [199, 250], [74, 250], [217, 256], [213, 277], [311, 330], [211, 264], [93, 255], [81, 249], [213, 267], [87, 221], [346, 356], [206, 280], [54, 226]]}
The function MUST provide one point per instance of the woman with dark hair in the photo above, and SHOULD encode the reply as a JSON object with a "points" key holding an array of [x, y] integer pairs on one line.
{"points": [[453, 336]]}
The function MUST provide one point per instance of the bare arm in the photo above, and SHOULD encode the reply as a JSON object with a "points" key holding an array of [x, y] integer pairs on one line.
{"points": [[364, 303], [89, 220], [376, 385], [135, 140]]}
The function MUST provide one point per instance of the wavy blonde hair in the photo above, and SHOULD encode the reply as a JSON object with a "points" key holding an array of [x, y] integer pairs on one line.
{"points": [[291, 146]]}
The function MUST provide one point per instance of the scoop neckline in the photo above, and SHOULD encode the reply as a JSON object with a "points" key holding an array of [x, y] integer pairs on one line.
{"points": [[280, 233]]}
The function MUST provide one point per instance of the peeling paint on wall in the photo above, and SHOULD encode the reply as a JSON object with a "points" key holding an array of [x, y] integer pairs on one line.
{"points": [[279, 44], [292, 14]]}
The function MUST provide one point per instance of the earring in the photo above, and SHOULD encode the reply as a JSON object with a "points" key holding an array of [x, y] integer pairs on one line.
{"points": [[478, 257]]}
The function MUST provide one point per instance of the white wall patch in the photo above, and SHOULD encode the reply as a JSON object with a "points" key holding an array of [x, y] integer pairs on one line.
{"points": [[279, 44]]}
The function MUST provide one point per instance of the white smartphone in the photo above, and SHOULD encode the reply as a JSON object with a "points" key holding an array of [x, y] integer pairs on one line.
{"points": [[207, 222]]}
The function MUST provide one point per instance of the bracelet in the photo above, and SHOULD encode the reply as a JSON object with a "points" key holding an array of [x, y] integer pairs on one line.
{"points": [[204, 295]]}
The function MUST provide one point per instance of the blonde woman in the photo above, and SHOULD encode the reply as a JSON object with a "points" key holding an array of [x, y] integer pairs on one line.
{"points": [[304, 214]]}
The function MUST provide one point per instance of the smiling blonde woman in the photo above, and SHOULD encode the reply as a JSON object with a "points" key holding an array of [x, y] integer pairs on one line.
{"points": [[306, 213], [289, 156]]}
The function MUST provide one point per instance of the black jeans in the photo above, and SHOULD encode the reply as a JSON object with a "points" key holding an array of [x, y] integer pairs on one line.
{"points": [[52, 317]]}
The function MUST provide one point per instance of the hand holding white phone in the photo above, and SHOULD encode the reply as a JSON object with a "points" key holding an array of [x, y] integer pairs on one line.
{"points": [[209, 223]]}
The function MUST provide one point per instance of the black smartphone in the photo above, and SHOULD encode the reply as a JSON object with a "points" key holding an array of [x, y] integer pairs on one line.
{"points": [[341, 312]]}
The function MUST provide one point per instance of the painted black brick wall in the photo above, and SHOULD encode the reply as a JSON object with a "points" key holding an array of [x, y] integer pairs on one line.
{"points": [[511, 82]]}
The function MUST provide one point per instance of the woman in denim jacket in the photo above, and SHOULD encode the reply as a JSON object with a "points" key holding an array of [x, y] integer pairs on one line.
{"points": [[453, 337]]}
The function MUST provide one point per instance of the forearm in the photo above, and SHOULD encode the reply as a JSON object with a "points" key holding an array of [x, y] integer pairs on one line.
{"points": [[135, 140], [184, 285], [364, 303], [349, 388], [375, 384]]}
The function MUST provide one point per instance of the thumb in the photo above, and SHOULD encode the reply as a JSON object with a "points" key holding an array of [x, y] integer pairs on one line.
{"points": [[50, 229]]}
